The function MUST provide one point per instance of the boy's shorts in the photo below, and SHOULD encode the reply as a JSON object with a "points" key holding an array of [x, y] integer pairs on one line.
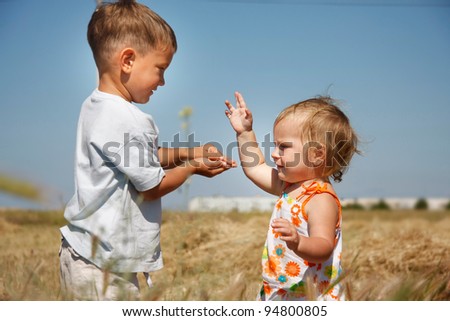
{"points": [[83, 280]]}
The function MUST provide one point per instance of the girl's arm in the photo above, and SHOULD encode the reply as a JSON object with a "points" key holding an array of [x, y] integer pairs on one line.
{"points": [[323, 214], [252, 159]]}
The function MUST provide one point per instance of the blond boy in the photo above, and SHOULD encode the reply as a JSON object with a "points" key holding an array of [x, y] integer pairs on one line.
{"points": [[114, 218]]}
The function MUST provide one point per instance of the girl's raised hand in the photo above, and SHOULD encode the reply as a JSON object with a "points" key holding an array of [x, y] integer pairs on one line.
{"points": [[240, 117]]}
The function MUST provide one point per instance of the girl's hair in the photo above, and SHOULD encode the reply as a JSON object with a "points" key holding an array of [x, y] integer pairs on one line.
{"points": [[127, 23], [320, 121]]}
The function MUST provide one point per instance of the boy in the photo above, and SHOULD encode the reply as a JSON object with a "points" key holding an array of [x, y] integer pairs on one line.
{"points": [[115, 215]]}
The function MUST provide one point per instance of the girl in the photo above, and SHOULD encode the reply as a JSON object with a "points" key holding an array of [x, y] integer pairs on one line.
{"points": [[313, 142]]}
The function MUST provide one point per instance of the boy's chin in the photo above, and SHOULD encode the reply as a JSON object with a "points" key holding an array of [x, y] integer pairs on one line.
{"points": [[143, 100]]}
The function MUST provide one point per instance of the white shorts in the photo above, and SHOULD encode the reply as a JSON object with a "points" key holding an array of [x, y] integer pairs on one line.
{"points": [[83, 280]]}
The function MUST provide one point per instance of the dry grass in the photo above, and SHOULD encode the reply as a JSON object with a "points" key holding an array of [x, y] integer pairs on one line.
{"points": [[398, 255], [389, 255], [29, 243]]}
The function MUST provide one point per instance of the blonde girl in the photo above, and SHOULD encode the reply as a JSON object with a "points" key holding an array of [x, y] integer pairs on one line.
{"points": [[313, 142]]}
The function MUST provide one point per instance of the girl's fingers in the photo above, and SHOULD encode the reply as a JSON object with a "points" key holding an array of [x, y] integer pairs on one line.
{"points": [[280, 222], [229, 105], [286, 236], [283, 226], [240, 102], [283, 230]]}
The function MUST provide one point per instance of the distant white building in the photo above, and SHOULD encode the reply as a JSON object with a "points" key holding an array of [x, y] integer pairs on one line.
{"points": [[266, 204], [399, 203], [228, 204]]}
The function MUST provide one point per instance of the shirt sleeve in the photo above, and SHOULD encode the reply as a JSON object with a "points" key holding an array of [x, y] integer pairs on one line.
{"points": [[137, 158], [128, 145]]}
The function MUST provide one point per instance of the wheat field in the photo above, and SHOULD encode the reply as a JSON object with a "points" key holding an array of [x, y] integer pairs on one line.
{"points": [[388, 255]]}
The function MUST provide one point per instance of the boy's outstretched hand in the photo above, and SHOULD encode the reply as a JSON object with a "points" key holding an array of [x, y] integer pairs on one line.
{"points": [[209, 167], [213, 154], [211, 162], [240, 117]]}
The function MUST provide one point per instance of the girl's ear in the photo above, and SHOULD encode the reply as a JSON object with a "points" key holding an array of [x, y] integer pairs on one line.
{"points": [[318, 155], [127, 58]]}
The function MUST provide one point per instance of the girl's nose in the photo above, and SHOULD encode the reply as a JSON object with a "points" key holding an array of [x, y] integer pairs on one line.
{"points": [[275, 154]]}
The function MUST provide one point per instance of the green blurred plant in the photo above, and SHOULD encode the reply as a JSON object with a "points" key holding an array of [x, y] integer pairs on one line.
{"points": [[381, 205], [421, 204], [353, 206], [20, 188]]}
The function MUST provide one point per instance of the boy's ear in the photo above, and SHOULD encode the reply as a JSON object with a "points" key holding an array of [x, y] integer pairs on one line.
{"points": [[127, 58]]}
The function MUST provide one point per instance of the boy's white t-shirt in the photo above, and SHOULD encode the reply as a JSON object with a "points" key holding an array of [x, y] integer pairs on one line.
{"points": [[116, 157]]}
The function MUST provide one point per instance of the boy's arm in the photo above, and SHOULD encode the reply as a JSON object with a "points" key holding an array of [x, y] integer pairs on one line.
{"points": [[252, 159], [173, 157], [175, 177]]}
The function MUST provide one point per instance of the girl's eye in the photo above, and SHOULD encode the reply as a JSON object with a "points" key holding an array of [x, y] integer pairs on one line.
{"points": [[284, 146]]}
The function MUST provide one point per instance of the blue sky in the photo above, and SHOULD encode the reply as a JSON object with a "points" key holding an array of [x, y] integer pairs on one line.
{"points": [[389, 65]]}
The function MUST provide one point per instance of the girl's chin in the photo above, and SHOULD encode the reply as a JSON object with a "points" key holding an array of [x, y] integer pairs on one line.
{"points": [[281, 176]]}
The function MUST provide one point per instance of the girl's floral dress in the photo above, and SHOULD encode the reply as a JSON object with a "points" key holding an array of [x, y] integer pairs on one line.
{"points": [[286, 276]]}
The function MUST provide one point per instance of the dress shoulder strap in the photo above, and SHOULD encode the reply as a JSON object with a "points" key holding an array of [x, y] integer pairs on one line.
{"points": [[313, 189]]}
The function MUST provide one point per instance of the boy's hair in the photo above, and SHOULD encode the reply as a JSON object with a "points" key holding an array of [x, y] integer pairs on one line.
{"points": [[320, 121], [114, 26]]}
